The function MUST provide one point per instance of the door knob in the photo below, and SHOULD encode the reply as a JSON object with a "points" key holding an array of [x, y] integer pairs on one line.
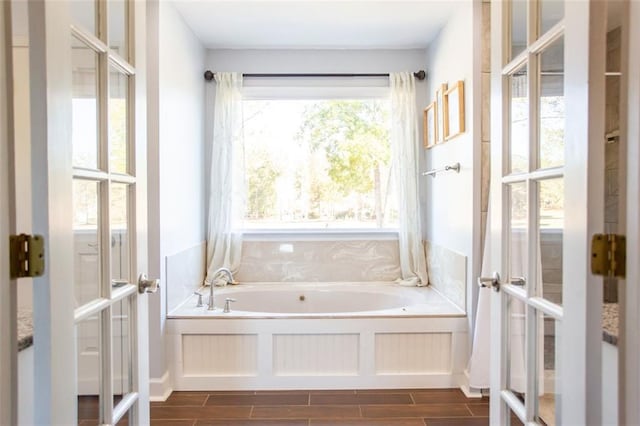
{"points": [[492, 282], [145, 285]]}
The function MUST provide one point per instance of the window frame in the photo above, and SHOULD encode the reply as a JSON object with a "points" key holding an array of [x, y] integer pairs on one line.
{"points": [[305, 88]]}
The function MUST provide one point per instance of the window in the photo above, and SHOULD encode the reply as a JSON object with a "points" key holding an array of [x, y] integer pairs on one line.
{"points": [[317, 164]]}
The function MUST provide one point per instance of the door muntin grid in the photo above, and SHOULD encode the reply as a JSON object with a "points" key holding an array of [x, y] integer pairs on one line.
{"points": [[111, 176], [528, 168]]}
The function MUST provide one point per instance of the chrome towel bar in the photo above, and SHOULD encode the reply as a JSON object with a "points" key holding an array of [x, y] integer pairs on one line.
{"points": [[433, 172]]}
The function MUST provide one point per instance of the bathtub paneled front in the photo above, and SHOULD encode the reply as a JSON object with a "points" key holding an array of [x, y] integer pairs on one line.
{"points": [[316, 354], [447, 272], [185, 274], [220, 354], [413, 353], [319, 261]]}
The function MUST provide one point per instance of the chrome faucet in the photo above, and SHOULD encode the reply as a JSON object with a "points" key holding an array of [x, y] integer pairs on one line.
{"points": [[227, 307], [211, 305]]}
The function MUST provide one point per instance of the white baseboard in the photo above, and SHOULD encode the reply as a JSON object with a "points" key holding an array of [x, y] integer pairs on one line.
{"points": [[471, 392], [160, 389], [468, 391]]}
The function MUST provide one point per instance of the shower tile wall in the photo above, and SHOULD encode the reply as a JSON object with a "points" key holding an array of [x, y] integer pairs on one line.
{"points": [[551, 259], [184, 274], [485, 174], [318, 261], [612, 147], [447, 272]]}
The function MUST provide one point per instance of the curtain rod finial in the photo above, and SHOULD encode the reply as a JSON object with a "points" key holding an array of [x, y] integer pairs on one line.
{"points": [[420, 75], [208, 75]]}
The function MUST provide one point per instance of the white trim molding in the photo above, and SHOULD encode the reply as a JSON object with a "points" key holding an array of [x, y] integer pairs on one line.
{"points": [[160, 388]]}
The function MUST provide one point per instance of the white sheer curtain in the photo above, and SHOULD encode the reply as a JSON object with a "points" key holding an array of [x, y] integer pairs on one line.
{"points": [[226, 208], [406, 148]]}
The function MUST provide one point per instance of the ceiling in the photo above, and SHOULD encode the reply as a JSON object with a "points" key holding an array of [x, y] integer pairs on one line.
{"points": [[313, 24]]}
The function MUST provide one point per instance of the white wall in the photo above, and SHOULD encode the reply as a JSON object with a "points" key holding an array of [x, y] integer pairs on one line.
{"points": [[176, 154], [453, 205]]}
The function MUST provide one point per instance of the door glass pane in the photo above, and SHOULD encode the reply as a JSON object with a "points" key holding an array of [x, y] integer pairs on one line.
{"points": [[514, 420], [518, 230], [120, 330], [519, 114], [84, 15], [518, 27], [516, 335], [89, 357], [552, 105], [86, 242], [118, 23], [118, 120], [125, 420], [119, 233], [551, 12], [84, 105], [549, 381], [551, 222]]}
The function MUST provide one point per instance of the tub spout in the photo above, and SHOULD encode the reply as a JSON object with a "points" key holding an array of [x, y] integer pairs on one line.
{"points": [[226, 271]]}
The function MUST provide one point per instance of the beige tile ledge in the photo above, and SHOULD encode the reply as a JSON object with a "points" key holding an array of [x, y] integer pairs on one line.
{"points": [[25, 329], [610, 323]]}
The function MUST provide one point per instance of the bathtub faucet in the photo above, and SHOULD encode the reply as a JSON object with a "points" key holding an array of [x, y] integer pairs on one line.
{"points": [[226, 271]]}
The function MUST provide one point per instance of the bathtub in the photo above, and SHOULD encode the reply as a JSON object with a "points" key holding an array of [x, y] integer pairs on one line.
{"points": [[318, 336]]}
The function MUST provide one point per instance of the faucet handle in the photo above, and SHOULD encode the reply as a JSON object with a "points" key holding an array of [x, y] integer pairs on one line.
{"points": [[227, 306], [199, 304]]}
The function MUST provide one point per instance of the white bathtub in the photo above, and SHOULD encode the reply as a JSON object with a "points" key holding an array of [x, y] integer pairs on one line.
{"points": [[318, 336], [278, 300]]}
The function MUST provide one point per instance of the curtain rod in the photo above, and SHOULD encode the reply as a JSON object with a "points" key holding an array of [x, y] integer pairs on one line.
{"points": [[420, 75]]}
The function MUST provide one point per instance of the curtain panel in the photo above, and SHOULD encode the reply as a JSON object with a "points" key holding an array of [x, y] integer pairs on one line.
{"points": [[226, 207]]}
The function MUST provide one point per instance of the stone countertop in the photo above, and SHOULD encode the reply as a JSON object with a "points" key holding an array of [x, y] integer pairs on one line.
{"points": [[610, 323], [25, 328]]}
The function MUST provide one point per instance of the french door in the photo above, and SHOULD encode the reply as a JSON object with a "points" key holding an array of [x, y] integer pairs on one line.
{"points": [[88, 119], [548, 70]]}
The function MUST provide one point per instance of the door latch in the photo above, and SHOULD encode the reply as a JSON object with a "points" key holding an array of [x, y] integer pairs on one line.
{"points": [[27, 256], [490, 282]]}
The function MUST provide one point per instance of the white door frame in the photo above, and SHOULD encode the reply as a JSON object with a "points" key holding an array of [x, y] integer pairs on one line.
{"points": [[53, 297], [8, 291], [581, 346], [629, 295]]}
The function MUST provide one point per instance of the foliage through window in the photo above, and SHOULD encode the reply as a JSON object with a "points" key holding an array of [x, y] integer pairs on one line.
{"points": [[317, 164]]}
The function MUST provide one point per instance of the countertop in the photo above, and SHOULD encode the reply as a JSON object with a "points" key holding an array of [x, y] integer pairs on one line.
{"points": [[610, 323], [25, 328]]}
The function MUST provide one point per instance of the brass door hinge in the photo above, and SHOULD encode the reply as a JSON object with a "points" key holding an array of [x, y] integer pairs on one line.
{"points": [[27, 255], [609, 255]]}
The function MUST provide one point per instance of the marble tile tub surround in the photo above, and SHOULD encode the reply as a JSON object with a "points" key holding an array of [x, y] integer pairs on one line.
{"points": [[184, 274], [319, 261], [447, 272], [25, 328]]}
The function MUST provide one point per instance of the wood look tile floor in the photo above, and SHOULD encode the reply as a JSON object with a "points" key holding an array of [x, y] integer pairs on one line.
{"points": [[411, 407]]}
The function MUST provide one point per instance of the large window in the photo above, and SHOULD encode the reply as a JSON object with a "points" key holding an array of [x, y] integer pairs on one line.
{"points": [[317, 164]]}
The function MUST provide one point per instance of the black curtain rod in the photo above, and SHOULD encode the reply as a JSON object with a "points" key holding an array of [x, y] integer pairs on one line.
{"points": [[420, 75]]}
